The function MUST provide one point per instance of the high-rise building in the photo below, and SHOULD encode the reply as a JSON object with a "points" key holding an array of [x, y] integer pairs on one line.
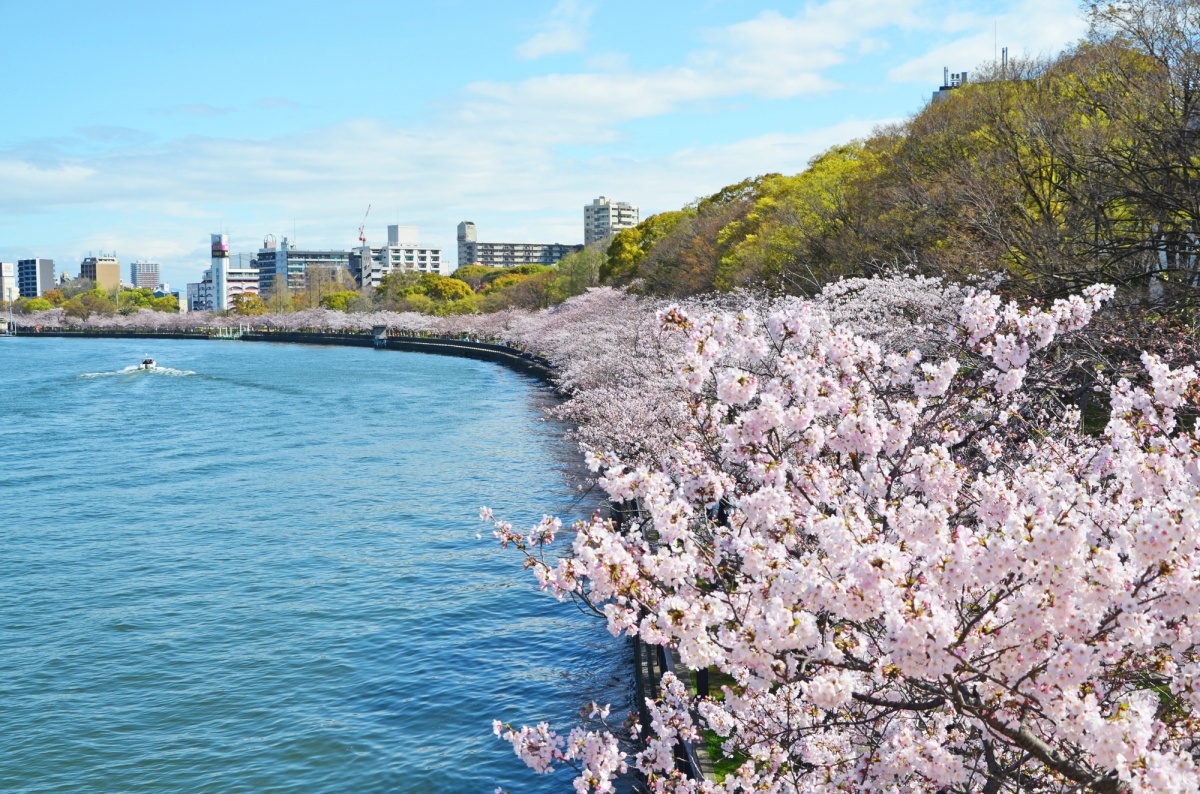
{"points": [[403, 252], [8, 282], [144, 275], [219, 271], [228, 282], [473, 252], [34, 276], [222, 283], [604, 218], [284, 260], [104, 271]]}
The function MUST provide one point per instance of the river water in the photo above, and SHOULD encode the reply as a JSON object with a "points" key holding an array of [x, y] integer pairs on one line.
{"points": [[259, 570]]}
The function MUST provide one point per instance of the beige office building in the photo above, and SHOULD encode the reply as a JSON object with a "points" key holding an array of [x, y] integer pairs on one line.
{"points": [[105, 271]]}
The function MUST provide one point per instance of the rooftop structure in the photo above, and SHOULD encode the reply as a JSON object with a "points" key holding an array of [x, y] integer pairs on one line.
{"points": [[473, 252], [952, 80], [605, 217], [103, 271]]}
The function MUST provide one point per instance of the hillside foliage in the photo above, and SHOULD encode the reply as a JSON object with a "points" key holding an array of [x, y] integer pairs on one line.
{"points": [[1046, 176]]}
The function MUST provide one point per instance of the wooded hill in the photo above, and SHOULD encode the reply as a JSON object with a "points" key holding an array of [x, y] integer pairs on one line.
{"points": [[1045, 176]]}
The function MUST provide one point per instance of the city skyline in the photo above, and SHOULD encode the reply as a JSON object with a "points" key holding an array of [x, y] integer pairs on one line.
{"points": [[514, 119]]}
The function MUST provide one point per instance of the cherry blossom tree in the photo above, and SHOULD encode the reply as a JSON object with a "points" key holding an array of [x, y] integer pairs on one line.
{"points": [[880, 517], [915, 568]]}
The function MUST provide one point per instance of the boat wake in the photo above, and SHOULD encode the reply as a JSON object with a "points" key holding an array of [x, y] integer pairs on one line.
{"points": [[138, 368]]}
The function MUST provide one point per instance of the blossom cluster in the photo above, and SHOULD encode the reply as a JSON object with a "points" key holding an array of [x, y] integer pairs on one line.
{"points": [[914, 566]]}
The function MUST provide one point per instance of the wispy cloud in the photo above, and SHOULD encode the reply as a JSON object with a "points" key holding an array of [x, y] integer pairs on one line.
{"points": [[277, 103], [109, 134], [199, 109], [771, 56], [1038, 27], [565, 31], [520, 155]]}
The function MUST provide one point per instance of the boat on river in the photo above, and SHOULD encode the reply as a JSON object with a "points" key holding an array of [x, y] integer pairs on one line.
{"points": [[147, 363]]}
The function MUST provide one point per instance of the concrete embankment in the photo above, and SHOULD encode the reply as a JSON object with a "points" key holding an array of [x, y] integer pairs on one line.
{"points": [[462, 348], [90, 334]]}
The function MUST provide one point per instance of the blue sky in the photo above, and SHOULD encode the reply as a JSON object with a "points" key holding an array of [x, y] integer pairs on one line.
{"points": [[142, 127]]}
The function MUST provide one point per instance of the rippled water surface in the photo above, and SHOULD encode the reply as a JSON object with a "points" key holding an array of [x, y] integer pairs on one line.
{"points": [[258, 570]]}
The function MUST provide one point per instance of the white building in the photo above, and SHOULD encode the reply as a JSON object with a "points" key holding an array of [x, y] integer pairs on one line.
{"points": [[144, 275], [221, 283], [8, 282], [403, 252], [284, 260], [473, 252], [604, 218]]}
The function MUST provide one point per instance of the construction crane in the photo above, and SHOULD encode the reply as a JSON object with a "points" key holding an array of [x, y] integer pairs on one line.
{"points": [[362, 234]]}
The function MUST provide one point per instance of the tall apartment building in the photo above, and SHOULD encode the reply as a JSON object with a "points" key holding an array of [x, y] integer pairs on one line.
{"points": [[8, 282], [605, 217], [403, 252], [473, 252], [105, 271], [34, 276], [284, 260], [144, 275], [221, 283]]}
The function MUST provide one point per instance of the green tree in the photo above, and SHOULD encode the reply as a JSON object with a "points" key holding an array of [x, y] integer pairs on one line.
{"points": [[132, 300], [477, 275], [77, 286], [279, 298], [575, 274], [249, 304], [339, 301], [85, 304], [504, 282], [36, 305], [167, 303], [449, 289], [630, 246]]}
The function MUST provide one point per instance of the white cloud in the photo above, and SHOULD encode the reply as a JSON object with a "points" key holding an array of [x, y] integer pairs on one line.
{"points": [[564, 32], [768, 56], [1034, 27], [771, 56], [519, 158], [277, 103], [199, 109], [174, 194]]}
